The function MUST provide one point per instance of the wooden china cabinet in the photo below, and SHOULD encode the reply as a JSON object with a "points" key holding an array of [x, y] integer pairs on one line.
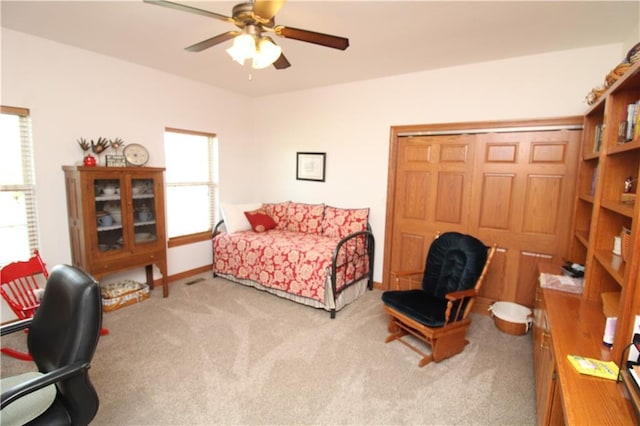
{"points": [[117, 220]]}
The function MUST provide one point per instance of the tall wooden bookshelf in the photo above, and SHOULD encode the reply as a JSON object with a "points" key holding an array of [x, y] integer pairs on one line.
{"points": [[600, 214]]}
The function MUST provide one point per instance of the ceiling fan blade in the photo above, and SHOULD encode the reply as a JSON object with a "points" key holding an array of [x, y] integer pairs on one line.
{"points": [[220, 38], [267, 9], [190, 9], [312, 37], [281, 63]]}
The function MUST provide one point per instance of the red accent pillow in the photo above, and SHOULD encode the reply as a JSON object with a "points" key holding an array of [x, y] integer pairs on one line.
{"points": [[260, 221]]}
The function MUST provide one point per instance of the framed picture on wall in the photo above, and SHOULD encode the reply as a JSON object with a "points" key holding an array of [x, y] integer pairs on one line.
{"points": [[310, 166]]}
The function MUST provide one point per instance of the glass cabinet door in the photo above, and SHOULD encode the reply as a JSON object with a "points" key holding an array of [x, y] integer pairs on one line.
{"points": [[144, 210], [108, 208]]}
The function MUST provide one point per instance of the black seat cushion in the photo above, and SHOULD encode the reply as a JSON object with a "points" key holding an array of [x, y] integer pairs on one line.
{"points": [[454, 262], [418, 305]]}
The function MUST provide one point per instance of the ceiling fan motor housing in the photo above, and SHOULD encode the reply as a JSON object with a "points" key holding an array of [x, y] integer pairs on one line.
{"points": [[243, 15]]}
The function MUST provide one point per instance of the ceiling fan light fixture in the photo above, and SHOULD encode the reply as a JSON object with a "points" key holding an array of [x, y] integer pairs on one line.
{"points": [[253, 18], [244, 47], [267, 52]]}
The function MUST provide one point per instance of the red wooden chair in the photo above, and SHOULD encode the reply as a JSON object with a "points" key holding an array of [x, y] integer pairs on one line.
{"points": [[20, 288]]}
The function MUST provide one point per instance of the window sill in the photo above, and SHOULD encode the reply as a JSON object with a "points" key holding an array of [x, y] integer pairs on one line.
{"points": [[183, 240]]}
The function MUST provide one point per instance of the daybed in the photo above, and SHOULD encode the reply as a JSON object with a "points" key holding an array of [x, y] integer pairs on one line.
{"points": [[313, 254]]}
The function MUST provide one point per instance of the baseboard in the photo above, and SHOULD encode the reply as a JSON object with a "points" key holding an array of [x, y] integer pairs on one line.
{"points": [[185, 274]]}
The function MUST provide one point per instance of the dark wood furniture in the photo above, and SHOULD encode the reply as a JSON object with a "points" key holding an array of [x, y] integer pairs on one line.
{"points": [[135, 236]]}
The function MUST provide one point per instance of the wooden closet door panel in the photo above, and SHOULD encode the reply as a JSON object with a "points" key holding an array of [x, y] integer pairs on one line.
{"points": [[432, 194], [514, 188], [523, 203]]}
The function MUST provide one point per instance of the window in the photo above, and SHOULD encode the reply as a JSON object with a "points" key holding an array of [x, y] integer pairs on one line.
{"points": [[191, 160], [18, 221]]}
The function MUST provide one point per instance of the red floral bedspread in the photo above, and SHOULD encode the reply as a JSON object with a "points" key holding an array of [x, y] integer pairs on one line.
{"points": [[294, 262]]}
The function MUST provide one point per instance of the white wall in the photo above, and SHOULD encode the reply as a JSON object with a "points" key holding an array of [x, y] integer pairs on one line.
{"points": [[74, 93], [351, 122]]}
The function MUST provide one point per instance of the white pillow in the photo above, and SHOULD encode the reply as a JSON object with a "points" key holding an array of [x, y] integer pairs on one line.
{"points": [[234, 218]]}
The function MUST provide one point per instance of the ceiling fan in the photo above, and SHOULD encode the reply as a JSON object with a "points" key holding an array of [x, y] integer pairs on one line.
{"points": [[254, 20]]}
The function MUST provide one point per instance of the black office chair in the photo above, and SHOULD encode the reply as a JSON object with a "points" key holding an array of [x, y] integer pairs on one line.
{"points": [[63, 335], [438, 312]]}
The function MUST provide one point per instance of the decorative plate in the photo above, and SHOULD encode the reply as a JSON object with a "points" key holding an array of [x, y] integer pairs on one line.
{"points": [[136, 154]]}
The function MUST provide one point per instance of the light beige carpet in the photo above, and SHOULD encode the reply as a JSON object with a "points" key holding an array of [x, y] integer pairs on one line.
{"points": [[221, 353]]}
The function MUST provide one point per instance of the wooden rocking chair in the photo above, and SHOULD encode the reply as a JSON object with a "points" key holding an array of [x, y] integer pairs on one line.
{"points": [[438, 312]]}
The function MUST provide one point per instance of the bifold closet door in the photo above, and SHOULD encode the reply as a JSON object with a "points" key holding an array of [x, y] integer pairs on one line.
{"points": [[512, 188]]}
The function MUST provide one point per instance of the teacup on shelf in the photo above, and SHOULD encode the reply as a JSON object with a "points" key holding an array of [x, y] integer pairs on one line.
{"points": [[105, 220], [137, 190], [117, 217], [144, 215], [109, 190]]}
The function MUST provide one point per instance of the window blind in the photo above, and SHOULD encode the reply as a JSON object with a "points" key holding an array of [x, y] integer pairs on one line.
{"points": [[17, 185], [192, 181]]}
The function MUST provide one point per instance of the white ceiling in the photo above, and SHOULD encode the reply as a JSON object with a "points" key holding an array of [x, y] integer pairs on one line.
{"points": [[386, 37]]}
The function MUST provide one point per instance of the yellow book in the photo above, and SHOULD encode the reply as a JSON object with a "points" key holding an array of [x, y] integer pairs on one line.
{"points": [[594, 367]]}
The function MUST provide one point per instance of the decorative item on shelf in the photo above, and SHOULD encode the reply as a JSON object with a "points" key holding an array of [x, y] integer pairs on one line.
{"points": [[595, 94], [99, 146], [117, 217], [633, 55], [617, 245], [110, 190], [141, 187], [628, 196], [625, 236], [136, 154], [104, 219], [616, 73], [116, 160], [89, 160], [144, 213]]}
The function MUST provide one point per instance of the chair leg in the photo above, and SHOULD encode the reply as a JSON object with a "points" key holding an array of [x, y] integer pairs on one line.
{"points": [[426, 360], [16, 354], [396, 331], [393, 326], [395, 336], [447, 346]]}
